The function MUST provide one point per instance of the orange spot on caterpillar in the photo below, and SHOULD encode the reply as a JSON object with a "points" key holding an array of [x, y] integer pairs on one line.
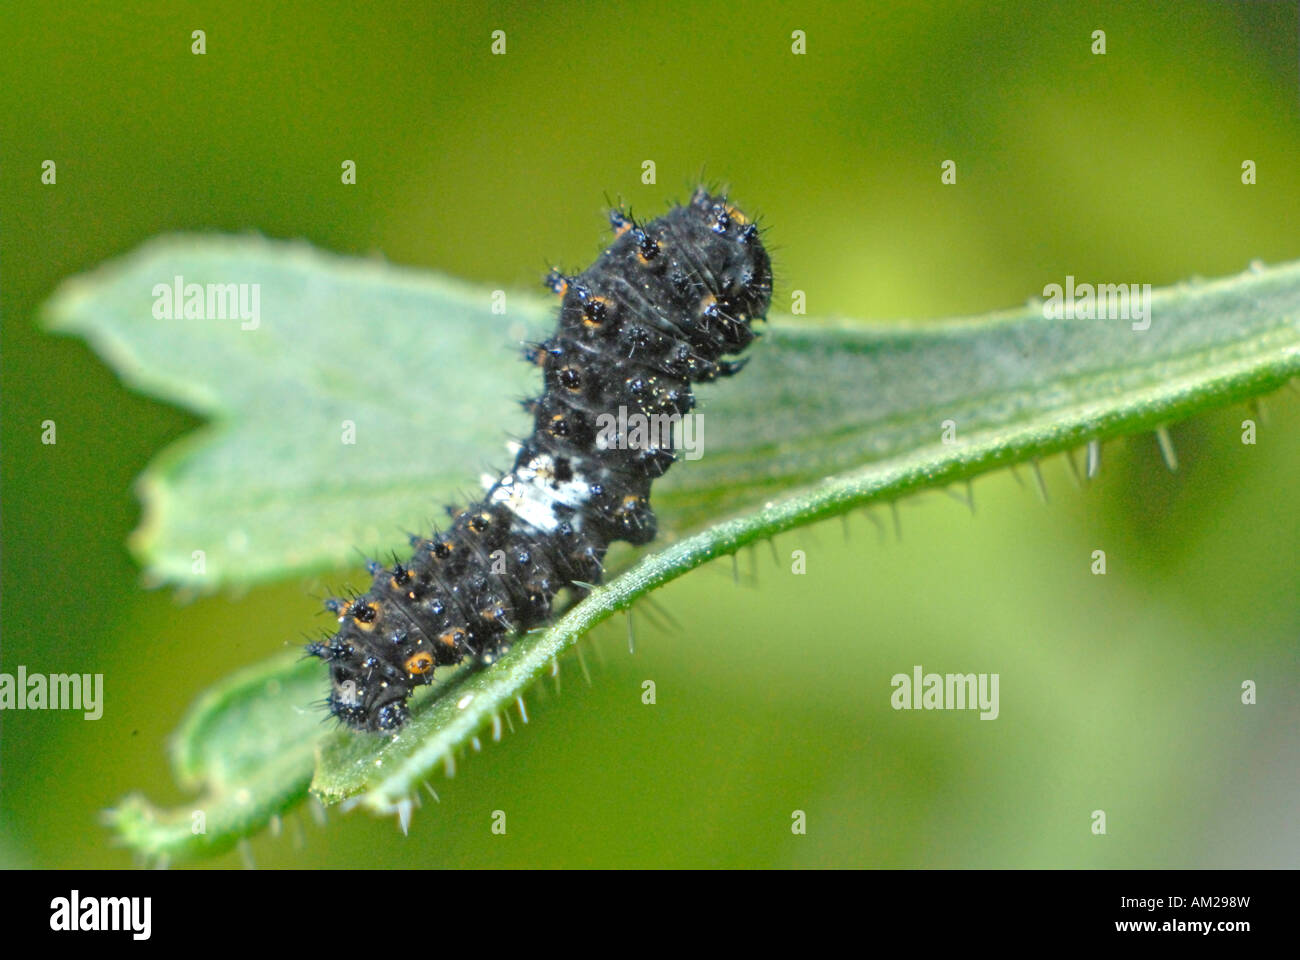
{"points": [[595, 311], [419, 662], [365, 615]]}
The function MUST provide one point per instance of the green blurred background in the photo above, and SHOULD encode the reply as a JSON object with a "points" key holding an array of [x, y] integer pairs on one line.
{"points": [[1117, 693]]}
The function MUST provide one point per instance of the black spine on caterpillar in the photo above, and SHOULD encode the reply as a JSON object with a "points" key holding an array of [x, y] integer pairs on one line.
{"points": [[662, 308]]}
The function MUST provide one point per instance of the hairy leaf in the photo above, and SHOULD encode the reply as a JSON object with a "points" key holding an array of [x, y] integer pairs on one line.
{"points": [[828, 417]]}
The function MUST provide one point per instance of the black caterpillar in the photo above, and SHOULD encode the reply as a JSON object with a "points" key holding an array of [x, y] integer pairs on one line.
{"points": [[658, 311]]}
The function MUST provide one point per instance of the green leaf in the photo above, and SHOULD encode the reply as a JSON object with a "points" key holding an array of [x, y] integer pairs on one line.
{"points": [[420, 365], [828, 417], [247, 748]]}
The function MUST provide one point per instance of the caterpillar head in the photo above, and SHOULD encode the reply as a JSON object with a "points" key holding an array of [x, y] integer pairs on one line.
{"points": [[736, 269]]}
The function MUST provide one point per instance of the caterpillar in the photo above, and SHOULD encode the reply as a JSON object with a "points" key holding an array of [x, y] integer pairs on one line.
{"points": [[667, 305]]}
